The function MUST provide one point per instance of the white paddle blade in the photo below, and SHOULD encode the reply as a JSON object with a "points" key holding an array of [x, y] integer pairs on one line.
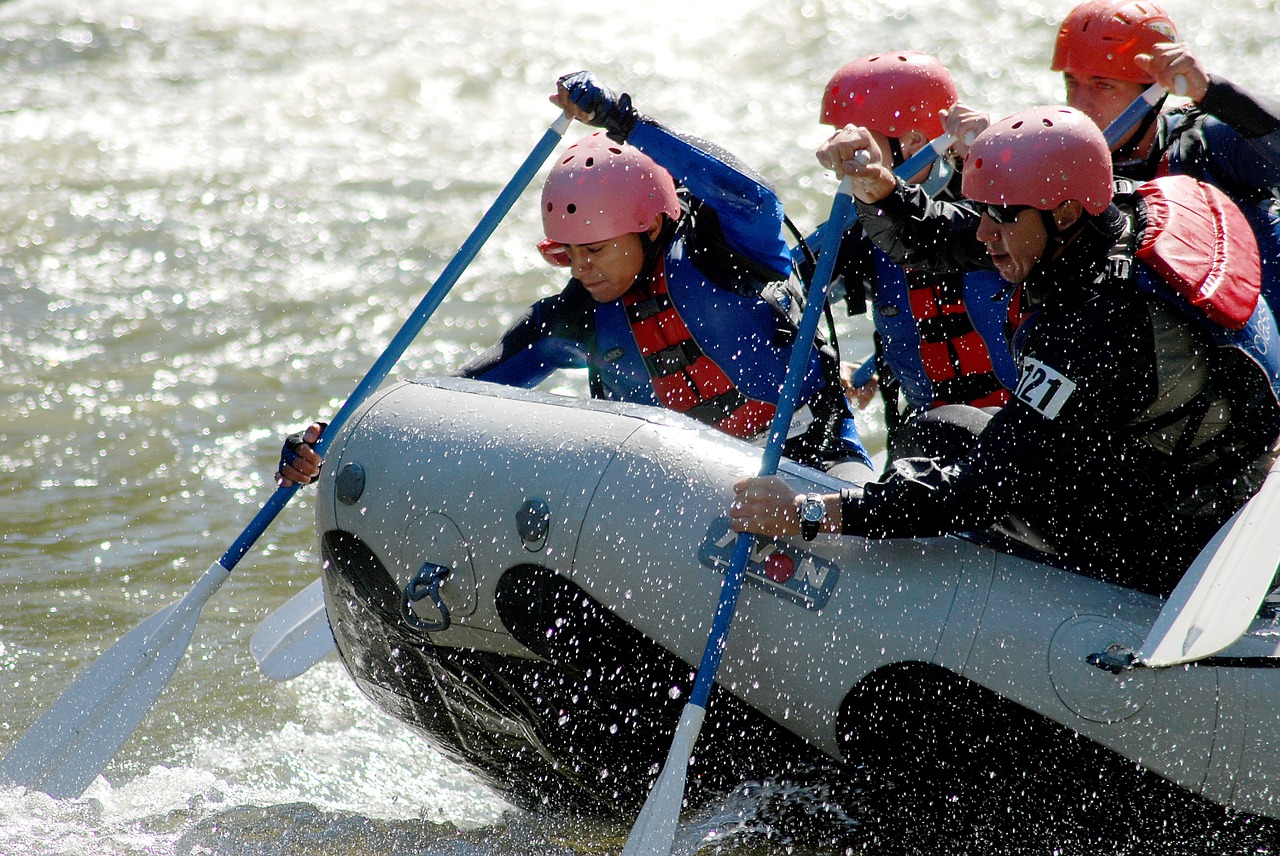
{"points": [[1220, 594], [295, 637], [942, 142], [75, 738], [655, 828]]}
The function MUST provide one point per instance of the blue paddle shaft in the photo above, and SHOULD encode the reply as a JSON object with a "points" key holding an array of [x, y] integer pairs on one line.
{"points": [[1132, 114], [814, 302], [841, 207], [408, 331], [924, 157]]}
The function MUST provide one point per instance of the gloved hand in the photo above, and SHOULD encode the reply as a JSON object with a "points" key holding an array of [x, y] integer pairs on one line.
{"points": [[299, 464], [603, 108]]}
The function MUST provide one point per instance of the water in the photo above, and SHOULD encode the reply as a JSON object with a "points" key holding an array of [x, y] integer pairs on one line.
{"points": [[215, 216]]}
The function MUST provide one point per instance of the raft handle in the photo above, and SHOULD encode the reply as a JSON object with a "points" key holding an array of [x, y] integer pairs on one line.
{"points": [[426, 583]]}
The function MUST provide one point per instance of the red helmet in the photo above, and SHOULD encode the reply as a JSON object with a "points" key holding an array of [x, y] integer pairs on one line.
{"points": [[892, 93], [601, 189], [1040, 157], [1100, 38]]}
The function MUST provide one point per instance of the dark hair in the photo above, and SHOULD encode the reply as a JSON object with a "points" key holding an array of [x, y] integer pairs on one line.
{"points": [[653, 248]]}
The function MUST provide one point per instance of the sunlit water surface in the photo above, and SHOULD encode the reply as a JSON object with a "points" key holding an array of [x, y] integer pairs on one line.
{"points": [[214, 217]]}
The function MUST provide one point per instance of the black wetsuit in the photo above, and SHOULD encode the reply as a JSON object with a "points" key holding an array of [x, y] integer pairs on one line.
{"points": [[1082, 453]]}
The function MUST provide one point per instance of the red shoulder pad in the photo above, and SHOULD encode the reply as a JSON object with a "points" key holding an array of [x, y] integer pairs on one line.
{"points": [[1202, 246]]}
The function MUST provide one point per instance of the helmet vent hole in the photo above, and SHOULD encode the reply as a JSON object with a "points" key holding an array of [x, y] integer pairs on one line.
{"points": [[590, 162], [571, 208], [1017, 125]]}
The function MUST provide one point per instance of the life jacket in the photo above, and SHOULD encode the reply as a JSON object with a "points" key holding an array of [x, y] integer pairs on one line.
{"points": [[1190, 141], [1196, 252], [1264, 217], [1200, 244], [943, 335], [684, 344], [684, 378], [1016, 314]]}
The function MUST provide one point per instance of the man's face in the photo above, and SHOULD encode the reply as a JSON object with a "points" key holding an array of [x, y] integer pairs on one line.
{"points": [[1016, 245], [1102, 99]]}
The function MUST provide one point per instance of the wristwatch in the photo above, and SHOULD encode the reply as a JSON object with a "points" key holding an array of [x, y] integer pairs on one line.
{"points": [[813, 510]]}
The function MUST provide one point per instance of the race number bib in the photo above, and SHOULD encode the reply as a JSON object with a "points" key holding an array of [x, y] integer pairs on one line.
{"points": [[1042, 388]]}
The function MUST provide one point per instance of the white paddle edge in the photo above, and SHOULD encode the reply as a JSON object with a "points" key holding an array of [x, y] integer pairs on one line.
{"points": [[1220, 594], [68, 746], [295, 637], [655, 828]]}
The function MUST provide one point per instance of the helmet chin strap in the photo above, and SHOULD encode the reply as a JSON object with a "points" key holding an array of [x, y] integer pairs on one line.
{"points": [[1060, 237], [1056, 239], [1073, 247], [895, 152], [652, 249], [1056, 242], [1055, 246]]}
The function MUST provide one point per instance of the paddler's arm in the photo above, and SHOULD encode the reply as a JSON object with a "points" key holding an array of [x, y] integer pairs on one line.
{"points": [[901, 219], [1256, 118], [750, 213], [550, 335]]}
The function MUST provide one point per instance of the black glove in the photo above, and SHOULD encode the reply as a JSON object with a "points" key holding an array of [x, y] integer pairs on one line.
{"points": [[289, 451], [608, 110]]}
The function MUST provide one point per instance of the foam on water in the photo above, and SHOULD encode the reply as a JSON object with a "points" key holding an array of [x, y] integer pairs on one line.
{"points": [[345, 768]]}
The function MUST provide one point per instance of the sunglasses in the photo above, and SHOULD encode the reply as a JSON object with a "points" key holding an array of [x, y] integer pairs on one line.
{"points": [[1001, 214]]}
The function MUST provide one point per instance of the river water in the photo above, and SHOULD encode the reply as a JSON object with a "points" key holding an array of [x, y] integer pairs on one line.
{"points": [[214, 217]]}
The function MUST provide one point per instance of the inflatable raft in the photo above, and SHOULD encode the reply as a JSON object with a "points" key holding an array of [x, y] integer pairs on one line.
{"points": [[530, 579]]}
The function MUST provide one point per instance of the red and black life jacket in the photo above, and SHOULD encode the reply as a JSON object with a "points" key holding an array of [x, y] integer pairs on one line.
{"points": [[955, 356], [941, 337], [684, 378]]}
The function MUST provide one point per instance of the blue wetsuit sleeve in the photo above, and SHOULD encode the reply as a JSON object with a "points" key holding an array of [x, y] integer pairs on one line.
{"points": [[749, 211], [547, 337], [1245, 142]]}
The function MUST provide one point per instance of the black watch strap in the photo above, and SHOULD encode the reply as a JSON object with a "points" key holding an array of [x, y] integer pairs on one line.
{"points": [[813, 510]]}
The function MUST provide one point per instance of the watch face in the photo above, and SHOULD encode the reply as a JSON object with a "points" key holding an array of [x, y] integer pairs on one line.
{"points": [[812, 510]]}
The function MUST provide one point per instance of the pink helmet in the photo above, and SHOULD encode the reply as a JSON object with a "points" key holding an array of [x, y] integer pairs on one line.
{"points": [[1040, 157], [891, 93], [1100, 38], [601, 189]]}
